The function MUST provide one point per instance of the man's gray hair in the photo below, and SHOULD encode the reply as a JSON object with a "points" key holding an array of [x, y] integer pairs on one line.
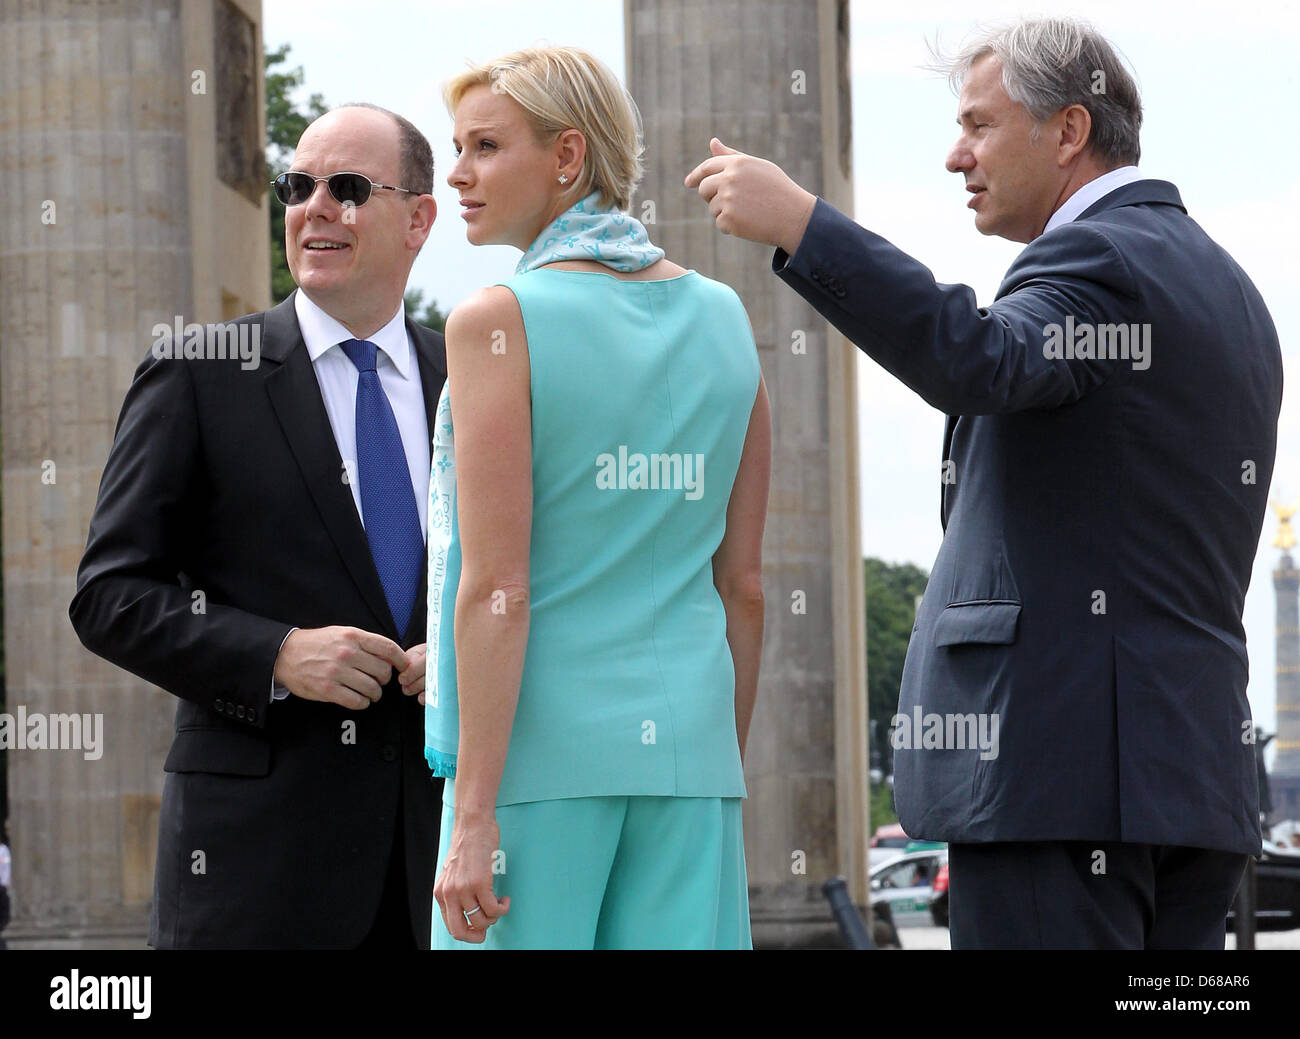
{"points": [[1051, 63]]}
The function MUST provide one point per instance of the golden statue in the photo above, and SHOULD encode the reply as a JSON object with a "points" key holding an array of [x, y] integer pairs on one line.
{"points": [[1285, 537]]}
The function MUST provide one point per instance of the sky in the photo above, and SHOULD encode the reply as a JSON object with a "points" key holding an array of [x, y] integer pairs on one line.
{"points": [[1217, 85]]}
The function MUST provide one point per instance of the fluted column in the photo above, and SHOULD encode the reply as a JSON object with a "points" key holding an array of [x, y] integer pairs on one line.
{"points": [[771, 77], [107, 116], [1284, 778]]}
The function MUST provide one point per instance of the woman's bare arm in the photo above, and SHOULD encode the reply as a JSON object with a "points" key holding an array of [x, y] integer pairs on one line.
{"points": [[488, 372], [738, 562]]}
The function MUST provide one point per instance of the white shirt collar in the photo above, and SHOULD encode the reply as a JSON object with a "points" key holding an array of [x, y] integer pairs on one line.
{"points": [[1073, 206], [321, 332]]}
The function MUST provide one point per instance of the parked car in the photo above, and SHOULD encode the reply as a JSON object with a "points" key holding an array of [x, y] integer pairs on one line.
{"points": [[905, 884], [939, 898], [888, 842], [1277, 889]]}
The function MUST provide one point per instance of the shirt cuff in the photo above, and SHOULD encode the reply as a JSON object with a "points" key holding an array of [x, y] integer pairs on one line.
{"points": [[279, 692]]}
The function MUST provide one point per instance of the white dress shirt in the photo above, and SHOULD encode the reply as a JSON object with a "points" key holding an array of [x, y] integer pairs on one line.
{"points": [[399, 375], [337, 376], [1073, 206]]}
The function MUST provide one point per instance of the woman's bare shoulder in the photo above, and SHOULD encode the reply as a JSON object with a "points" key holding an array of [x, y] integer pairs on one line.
{"points": [[489, 306]]}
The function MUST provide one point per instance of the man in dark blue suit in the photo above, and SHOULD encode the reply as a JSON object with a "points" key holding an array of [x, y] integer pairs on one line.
{"points": [[1073, 715]]}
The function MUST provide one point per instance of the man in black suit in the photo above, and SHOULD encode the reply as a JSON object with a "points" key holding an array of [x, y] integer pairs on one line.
{"points": [[257, 549], [1073, 714]]}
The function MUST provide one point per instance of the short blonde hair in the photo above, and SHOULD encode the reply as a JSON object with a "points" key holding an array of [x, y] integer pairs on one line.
{"points": [[561, 88]]}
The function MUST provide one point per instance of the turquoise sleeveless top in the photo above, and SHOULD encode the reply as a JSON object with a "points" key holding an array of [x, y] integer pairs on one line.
{"points": [[641, 398]]}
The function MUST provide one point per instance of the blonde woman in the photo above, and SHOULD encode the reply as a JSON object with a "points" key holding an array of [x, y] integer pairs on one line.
{"points": [[600, 483]]}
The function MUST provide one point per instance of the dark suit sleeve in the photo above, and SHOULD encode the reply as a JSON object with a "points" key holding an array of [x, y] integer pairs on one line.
{"points": [[962, 358], [130, 606]]}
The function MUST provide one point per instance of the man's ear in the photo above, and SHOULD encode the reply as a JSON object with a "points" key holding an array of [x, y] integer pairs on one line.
{"points": [[423, 215], [1075, 132]]}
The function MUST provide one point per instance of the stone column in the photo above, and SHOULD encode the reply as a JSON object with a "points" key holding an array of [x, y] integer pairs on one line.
{"points": [[770, 77], [107, 114], [1284, 777]]}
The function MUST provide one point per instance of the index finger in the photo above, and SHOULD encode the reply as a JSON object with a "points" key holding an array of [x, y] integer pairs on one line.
{"points": [[710, 166], [383, 648]]}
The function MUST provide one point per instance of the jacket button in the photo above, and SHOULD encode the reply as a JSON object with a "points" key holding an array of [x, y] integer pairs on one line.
{"points": [[230, 709], [239, 712], [252, 714], [219, 705], [389, 752]]}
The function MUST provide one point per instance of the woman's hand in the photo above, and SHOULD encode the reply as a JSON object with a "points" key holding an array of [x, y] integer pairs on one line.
{"points": [[466, 879]]}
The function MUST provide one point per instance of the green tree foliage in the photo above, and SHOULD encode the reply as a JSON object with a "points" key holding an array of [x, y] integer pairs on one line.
{"points": [[422, 313], [285, 123], [891, 594], [882, 809]]}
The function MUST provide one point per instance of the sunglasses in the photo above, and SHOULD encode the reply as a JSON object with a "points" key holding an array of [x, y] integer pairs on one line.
{"points": [[349, 189]]}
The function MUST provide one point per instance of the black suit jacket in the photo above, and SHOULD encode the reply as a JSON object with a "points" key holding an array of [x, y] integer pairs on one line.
{"points": [[223, 521], [1100, 525]]}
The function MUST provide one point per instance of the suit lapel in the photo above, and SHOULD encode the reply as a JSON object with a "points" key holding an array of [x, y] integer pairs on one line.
{"points": [[295, 396], [949, 426], [431, 355], [1140, 192]]}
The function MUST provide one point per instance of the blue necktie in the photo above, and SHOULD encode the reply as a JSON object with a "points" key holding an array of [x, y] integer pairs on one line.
{"points": [[388, 508]]}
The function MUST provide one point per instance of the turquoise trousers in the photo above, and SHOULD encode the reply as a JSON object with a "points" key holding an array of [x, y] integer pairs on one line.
{"points": [[615, 873]]}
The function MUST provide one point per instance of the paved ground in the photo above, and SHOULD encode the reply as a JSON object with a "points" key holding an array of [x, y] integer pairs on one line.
{"points": [[937, 938], [912, 938]]}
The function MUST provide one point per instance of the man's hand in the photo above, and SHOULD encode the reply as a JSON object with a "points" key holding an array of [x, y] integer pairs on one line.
{"points": [[346, 666], [412, 678], [752, 198]]}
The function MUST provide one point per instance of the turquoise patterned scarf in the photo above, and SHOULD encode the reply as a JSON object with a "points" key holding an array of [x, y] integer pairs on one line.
{"points": [[585, 231]]}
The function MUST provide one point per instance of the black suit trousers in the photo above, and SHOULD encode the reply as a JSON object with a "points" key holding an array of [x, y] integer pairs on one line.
{"points": [[391, 929], [1090, 895]]}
